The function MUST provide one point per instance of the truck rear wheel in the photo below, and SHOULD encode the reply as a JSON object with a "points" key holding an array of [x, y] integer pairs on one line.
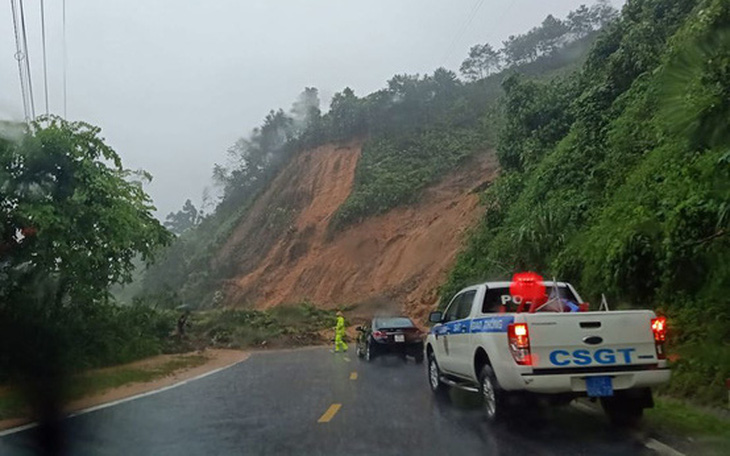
{"points": [[622, 411], [493, 395]]}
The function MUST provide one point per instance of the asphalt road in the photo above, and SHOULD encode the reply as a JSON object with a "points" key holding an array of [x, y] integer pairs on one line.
{"points": [[279, 402]]}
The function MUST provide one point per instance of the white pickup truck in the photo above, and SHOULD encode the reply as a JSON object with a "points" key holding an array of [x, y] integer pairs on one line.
{"points": [[554, 354]]}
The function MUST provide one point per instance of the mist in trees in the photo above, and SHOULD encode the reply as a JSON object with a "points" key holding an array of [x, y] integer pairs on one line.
{"points": [[551, 35], [483, 60], [184, 219]]}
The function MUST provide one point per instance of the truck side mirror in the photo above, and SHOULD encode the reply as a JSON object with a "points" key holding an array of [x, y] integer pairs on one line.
{"points": [[435, 317]]}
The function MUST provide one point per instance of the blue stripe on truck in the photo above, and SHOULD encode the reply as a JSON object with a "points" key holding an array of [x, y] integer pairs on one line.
{"points": [[476, 325], [491, 324]]}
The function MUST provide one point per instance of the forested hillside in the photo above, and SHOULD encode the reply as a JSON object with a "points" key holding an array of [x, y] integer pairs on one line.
{"points": [[618, 178], [615, 169], [414, 131]]}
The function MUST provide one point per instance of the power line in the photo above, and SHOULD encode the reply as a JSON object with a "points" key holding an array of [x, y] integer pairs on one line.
{"points": [[460, 32], [27, 58], [504, 13], [64, 60], [20, 56], [45, 63]]}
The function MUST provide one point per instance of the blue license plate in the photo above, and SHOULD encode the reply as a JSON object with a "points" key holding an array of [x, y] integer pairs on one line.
{"points": [[599, 386]]}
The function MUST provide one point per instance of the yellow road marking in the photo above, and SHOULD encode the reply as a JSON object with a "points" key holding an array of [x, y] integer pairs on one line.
{"points": [[329, 414], [353, 376]]}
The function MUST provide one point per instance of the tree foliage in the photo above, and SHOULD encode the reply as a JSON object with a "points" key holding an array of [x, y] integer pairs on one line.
{"points": [[73, 221], [186, 218], [616, 178], [483, 60], [70, 211], [555, 33]]}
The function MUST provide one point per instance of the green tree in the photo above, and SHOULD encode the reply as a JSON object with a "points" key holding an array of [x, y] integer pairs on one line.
{"points": [[71, 212], [184, 219], [483, 60], [602, 13], [306, 107], [551, 35], [346, 115], [520, 49], [580, 22], [73, 221]]}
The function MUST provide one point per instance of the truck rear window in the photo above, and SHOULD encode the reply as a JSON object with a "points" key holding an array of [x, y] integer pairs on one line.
{"points": [[495, 298]]}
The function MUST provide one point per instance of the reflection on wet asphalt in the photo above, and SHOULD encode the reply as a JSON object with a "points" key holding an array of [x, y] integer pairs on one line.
{"points": [[272, 404]]}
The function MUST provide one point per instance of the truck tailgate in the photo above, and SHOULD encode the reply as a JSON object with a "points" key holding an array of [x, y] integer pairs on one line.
{"points": [[585, 341]]}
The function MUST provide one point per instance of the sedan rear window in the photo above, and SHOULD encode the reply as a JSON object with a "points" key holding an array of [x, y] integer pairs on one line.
{"points": [[397, 322]]}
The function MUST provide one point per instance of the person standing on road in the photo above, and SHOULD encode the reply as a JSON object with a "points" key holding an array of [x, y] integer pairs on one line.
{"points": [[340, 333]]}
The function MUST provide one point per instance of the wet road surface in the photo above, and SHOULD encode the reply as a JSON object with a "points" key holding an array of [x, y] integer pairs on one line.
{"points": [[311, 401]]}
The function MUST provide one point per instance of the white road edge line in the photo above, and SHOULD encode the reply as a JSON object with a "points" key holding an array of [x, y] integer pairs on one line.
{"points": [[661, 448], [653, 444], [25, 427]]}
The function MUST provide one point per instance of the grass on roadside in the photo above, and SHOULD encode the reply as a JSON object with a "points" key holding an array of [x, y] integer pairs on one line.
{"points": [[703, 430], [674, 415], [13, 405], [100, 381]]}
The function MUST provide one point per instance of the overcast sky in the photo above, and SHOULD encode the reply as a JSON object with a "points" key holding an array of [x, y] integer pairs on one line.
{"points": [[173, 83]]}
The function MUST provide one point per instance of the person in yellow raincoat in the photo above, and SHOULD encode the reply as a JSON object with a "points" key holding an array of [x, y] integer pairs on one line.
{"points": [[340, 333]]}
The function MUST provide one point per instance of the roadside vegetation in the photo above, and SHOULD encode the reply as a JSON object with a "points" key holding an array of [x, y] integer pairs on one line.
{"points": [[72, 220], [616, 179], [282, 326], [75, 223], [689, 428]]}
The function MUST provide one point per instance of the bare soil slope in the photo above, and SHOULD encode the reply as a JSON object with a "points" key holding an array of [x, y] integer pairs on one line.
{"points": [[391, 262]]}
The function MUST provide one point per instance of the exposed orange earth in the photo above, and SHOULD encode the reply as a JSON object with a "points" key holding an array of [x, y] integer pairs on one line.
{"points": [[391, 262]]}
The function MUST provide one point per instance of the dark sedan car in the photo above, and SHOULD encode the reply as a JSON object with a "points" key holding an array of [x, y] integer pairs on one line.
{"points": [[390, 336]]}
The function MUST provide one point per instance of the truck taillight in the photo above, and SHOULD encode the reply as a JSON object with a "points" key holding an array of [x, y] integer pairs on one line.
{"points": [[519, 343], [659, 329]]}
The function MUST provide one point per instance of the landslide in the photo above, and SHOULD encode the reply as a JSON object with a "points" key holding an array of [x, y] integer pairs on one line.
{"points": [[394, 261]]}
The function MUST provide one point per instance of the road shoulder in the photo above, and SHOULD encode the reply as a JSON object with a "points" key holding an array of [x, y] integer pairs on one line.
{"points": [[161, 371]]}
